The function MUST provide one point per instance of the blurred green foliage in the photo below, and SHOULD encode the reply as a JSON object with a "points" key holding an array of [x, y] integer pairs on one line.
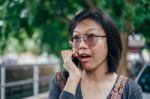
{"points": [[42, 25]]}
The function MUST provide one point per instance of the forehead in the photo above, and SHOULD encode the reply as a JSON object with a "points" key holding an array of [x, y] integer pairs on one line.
{"points": [[88, 25]]}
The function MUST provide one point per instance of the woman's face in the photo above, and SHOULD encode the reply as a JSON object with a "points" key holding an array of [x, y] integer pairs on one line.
{"points": [[90, 56]]}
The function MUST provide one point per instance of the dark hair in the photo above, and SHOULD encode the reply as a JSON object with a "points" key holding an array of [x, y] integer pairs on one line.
{"points": [[113, 37]]}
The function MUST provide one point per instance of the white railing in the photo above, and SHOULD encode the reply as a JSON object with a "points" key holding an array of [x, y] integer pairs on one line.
{"points": [[35, 80]]}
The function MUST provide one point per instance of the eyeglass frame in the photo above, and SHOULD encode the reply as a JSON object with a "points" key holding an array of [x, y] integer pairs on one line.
{"points": [[85, 39]]}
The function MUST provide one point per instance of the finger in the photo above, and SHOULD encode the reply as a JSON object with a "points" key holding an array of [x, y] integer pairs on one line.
{"points": [[75, 54], [67, 54]]}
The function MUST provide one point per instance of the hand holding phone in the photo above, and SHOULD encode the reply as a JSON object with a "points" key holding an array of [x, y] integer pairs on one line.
{"points": [[76, 62], [71, 62]]}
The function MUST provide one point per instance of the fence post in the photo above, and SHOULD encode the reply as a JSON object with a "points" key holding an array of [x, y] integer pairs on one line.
{"points": [[35, 80], [3, 82], [57, 67]]}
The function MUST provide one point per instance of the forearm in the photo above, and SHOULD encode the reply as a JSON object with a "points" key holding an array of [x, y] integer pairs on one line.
{"points": [[71, 85]]}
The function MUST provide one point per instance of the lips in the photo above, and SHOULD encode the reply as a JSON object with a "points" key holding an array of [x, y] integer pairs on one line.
{"points": [[84, 58]]}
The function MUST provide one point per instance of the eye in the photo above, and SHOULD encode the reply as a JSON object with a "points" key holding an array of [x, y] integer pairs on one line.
{"points": [[91, 36], [75, 38]]}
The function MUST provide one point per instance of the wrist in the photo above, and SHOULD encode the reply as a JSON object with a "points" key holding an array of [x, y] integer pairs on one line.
{"points": [[71, 85]]}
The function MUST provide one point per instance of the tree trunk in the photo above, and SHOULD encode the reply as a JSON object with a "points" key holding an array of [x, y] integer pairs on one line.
{"points": [[123, 62]]}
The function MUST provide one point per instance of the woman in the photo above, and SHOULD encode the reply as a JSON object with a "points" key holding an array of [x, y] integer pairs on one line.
{"points": [[96, 43]]}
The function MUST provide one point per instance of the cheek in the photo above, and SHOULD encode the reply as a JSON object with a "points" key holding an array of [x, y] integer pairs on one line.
{"points": [[100, 52], [105, 48]]}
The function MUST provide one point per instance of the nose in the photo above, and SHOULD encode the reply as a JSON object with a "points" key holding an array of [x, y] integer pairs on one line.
{"points": [[82, 43]]}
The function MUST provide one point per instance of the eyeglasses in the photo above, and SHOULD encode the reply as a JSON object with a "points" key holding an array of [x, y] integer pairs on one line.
{"points": [[90, 39]]}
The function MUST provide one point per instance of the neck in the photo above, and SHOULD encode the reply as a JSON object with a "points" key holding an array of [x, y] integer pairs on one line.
{"points": [[98, 74]]}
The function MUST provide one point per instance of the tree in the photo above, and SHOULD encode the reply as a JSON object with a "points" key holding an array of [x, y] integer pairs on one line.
{"points": [[49, 19]]}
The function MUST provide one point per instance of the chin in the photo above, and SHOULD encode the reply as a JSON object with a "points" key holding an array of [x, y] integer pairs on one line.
{"points": [[88, 70], [87, 67]]}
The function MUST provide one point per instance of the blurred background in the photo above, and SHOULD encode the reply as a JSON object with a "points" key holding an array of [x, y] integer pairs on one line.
{"points": [[33, 32]]}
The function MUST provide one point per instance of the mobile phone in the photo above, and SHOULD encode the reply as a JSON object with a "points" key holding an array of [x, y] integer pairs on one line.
{"points": [[75, 61]]}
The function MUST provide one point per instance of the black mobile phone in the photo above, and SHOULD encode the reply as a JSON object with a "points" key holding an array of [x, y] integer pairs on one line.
{"points": [[75, 61]]}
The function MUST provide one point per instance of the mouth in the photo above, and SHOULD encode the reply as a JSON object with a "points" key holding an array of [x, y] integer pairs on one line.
{"points": [[84, 58]]}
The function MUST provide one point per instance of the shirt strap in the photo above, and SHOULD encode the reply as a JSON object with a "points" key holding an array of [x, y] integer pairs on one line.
{"points": [[118, 89]]}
